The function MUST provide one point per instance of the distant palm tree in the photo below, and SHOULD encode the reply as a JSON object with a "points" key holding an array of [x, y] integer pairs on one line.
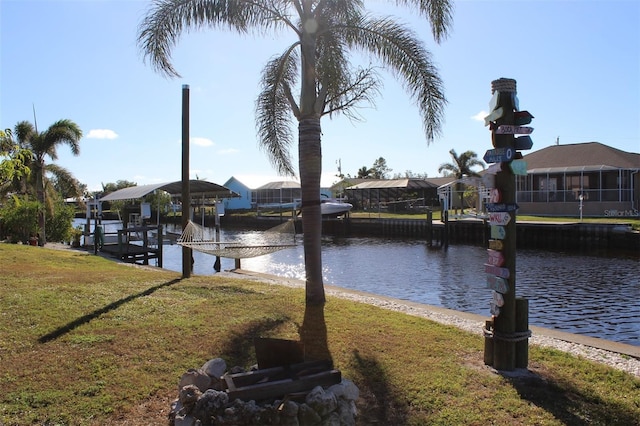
{"points": [[43, 144], [461, 167], [364, 172], [317, 63]]}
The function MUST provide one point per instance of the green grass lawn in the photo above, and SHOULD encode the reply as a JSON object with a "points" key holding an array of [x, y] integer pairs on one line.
{"points": [[88, 341]]}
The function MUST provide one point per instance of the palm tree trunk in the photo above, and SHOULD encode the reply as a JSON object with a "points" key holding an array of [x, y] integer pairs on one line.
{"points": [[41, 201], [310, 159]]}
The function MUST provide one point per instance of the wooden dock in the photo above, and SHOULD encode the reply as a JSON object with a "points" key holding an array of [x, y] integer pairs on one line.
{"points": [[137, 245]]}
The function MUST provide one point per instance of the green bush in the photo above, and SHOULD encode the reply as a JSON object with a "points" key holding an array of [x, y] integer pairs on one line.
{"points": [[19, 219], [58, 226]]}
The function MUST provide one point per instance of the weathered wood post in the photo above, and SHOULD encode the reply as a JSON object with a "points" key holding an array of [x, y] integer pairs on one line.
{"points": [[186, 190], [504, 121]]}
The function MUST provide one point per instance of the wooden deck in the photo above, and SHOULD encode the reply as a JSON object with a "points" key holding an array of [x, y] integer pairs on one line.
{"points": [[136, 245]]}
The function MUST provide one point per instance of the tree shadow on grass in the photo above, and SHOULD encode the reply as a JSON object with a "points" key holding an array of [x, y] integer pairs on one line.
{"points": [[98, 312], [570, 405], [380, 404], [239, 349]]}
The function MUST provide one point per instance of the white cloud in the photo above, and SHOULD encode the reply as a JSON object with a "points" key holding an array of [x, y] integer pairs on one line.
{"points": [[202, 142], [102, 134], [479, 116]]}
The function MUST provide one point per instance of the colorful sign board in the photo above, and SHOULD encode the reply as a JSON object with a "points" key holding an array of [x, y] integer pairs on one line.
{"points": [[496, 245], [495, 195], [498, 232], [498, 284], [499, 218], [501, 207], [521, 118], [518, 167], [496, 258], [497, 271], [523, 143], [498, 155], [506, 129], [498, 300]]}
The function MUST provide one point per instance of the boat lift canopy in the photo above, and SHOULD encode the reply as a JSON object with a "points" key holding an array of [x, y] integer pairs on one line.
{"points": [[198, 188]]}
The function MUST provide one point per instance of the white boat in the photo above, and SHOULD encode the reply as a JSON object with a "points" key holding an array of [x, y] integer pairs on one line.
{"points": [[331, 207]]}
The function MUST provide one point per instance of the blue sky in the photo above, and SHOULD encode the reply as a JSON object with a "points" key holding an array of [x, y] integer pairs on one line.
{"points": [[577, 66]]}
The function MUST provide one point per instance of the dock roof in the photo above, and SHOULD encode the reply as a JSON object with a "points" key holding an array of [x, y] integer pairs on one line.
{"points": [[197, 188]]}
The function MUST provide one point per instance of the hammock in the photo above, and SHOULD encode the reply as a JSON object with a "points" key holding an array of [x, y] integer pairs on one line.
{"points": [[194, 235]]}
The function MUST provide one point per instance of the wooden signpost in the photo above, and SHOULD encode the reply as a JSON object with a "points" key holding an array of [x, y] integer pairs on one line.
{"points": [[505, 121]]}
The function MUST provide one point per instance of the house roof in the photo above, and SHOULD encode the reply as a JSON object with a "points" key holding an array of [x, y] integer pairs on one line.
{"points": [[285, 184], [590, 156], [197, 188], [392, 183]]}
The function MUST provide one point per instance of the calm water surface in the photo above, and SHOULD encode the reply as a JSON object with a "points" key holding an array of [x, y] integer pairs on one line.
{"points": [[591, 295]]}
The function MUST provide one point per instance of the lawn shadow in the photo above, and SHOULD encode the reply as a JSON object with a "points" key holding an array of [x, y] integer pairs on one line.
{"points": [[98, 312], [380, 402], [570, 405], [239, 349]]}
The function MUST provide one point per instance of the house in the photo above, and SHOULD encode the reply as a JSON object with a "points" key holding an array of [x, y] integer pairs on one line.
{"points": [[243, 202], [587, 179]]}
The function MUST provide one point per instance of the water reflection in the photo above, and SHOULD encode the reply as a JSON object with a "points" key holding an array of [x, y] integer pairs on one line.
{"points": [[590, 295]]}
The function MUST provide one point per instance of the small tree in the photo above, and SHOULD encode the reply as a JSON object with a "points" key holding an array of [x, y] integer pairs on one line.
{"points": [[380, 169]]}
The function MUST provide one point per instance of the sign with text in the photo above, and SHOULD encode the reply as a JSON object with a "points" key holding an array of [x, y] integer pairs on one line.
{"points": [[522, 117], [498, 155], [497, 271], [495, 195], [496, 245], [506, 129], [498, 299], [496, 258], [501, 207], [499, 218]]}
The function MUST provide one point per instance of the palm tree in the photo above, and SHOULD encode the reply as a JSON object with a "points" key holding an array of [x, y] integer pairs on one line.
{"points": [[317, 63], [461, 167], [43, 144], [364, 172]]}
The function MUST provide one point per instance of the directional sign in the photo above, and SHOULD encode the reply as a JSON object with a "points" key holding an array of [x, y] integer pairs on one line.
{"points": [[501, 207], [495, 196], [498, 300], [523, 142], [499, 218], [498, 284], [518, 167], [506, 129], [496, 258], [495, 310], [496, 245], [521, 117], [495, 114], [497, 271], [498, 232], [498, 155]]}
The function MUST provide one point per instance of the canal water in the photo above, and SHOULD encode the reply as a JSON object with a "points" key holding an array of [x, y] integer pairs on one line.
{"points": [[592, 295], [597, 296]]}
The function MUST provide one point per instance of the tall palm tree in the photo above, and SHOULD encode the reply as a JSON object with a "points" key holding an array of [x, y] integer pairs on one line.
{"points": [[364, 172], [44, 144], [461, 167], [316, 64]]}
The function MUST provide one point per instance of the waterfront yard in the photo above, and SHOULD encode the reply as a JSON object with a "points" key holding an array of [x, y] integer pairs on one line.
{"points": [[88, 341]]}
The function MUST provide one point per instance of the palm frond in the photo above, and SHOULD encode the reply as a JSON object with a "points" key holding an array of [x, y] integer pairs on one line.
{"points": [[168, 19], [274, 107], [438, 12], [403, 53]]}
